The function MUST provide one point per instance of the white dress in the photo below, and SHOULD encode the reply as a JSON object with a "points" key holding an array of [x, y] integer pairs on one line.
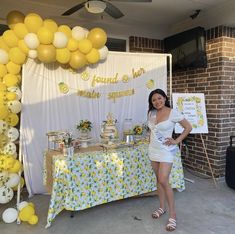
{"points": [[158, 151]]}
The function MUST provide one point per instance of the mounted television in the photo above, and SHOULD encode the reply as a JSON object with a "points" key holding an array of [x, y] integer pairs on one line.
{"points": [[187, 48]]}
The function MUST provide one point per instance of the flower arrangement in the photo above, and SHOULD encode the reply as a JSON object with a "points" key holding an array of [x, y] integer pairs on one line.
{"points": [[84, 125], [138, 130]]}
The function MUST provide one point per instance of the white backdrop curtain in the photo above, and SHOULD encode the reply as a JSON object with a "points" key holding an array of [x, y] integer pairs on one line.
{"points": [[46, 108]]}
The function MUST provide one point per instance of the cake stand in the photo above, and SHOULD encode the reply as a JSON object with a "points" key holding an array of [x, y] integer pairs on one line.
{"points": [[84, 142]]}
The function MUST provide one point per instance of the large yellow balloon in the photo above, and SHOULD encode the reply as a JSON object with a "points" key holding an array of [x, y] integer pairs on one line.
{"points": [[45, 36], [16, 167], [3, 87], [23, 47], [66, 30], [85, 46], [10, 38], [16, 55], [46, 53], [51, 25], [33, 22], [98, 37], [33, 220], [3, 70], [14, 17], [3, 112], [26, 213], [77, 60], [3, 44], [93, 56], [20, 30], [10, 80], [63, 55], [72, 44], [13, 68]]}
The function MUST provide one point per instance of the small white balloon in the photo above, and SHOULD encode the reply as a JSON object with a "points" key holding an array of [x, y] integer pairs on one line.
{"points": [[15, 90], [6, 194], [9, 148], [9, 215], [78, 33], [22, 205], [33, 54], [103, 52], [14, 106], [60, 40], [12, 133], [13, 180], [4, 58], [31, 40], [3, 177]]}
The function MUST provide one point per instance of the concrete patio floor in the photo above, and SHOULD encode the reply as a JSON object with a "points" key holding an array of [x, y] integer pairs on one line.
{"points": [[201, 209]]}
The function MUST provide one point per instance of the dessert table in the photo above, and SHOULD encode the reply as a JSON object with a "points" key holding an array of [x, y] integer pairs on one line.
{"points": [[94, 176]]}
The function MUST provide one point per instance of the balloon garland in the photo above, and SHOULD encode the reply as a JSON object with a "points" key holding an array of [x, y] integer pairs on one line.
{"points": [[31, 36]]}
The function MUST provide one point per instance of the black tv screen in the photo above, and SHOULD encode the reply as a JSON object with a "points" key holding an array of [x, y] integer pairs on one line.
{"points": [[187, 49]]}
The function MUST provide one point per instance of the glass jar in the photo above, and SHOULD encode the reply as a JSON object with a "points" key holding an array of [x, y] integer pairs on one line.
{"points": [[127, 126]]}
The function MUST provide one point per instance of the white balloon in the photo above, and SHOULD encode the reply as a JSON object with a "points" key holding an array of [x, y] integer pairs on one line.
{"points": [[3, 126], [3, 177], [14, 106], [31, 40], [103, 52], [12, 133], [33, 54], [86, 31], [22, 205], [9, 215], [6, 194], [9, 148], [16, 90], [13, 180], [78, 33], [4, 58], [60, 40]]}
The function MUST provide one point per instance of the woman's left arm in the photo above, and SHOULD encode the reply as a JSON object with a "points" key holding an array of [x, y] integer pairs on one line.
{"points": [[187, 129]]}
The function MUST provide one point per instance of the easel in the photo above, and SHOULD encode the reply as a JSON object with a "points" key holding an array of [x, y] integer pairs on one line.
{"points": [[204, 149]]}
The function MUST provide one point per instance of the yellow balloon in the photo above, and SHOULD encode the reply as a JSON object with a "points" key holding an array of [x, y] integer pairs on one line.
{"points": [[10, 80], [12, 119], [66, 30], [16, 55], [3, 44], [51, 25], [3, 70], [31, 204], [93, 56], [3, 112], [10, 38], [72, 44], [11, 96], [3, 87], [98, 37], [23, 47], [9, 162], [16, 167], [85, 46], [46, 53], [63, 55], [33, 22], [14, 17], [20, 30], [77, 60], [13, 68], [45, 36], [33, 220], [26, 213]]}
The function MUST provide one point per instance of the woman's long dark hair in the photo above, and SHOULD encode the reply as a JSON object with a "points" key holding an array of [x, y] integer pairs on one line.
{"points": [[162, 93]]}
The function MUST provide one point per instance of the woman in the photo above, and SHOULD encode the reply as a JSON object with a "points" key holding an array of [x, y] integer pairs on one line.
{"points": [[162, 149]]}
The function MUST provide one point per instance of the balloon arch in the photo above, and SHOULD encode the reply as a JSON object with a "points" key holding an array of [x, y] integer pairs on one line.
{"points": [[31, 36]]}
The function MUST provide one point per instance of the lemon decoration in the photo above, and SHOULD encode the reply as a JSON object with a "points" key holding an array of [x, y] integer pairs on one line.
{"points": [[150, 84], [85, 75], [63, 87]]}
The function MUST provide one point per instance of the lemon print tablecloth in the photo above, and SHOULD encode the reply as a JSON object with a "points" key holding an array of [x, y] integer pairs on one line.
{"points": [[93, 178]]}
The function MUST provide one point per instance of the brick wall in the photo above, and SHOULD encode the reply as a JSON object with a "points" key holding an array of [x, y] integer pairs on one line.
{"points": [[217, 82]]}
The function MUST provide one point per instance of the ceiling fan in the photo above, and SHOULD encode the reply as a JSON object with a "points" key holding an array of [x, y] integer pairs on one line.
{"points": [[99, 6]]}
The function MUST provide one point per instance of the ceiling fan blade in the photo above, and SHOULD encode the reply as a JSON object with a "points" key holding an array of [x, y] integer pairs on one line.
{"points": [[73, 9], [131, 0], [113, 11]]}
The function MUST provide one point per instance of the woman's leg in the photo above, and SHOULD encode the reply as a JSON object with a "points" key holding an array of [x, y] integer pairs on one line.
{"points": [[163, 179], [160, 189]]}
